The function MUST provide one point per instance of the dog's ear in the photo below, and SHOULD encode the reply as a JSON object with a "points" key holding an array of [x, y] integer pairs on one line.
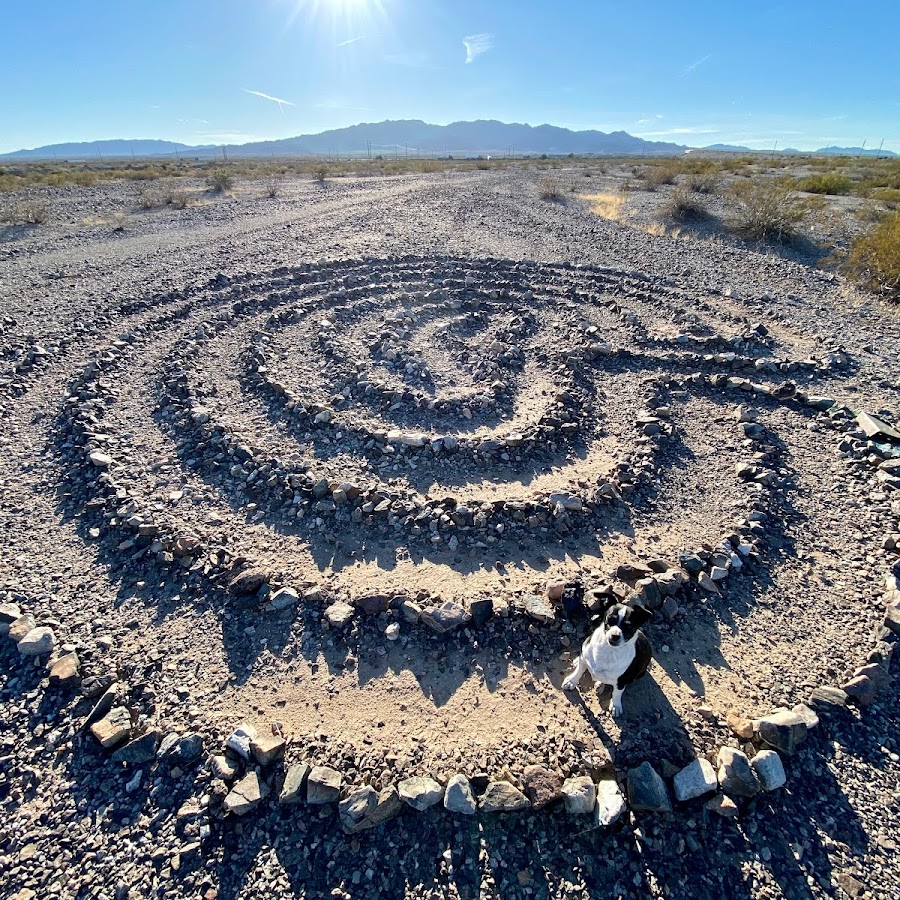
{"points": [[639, 616], [599, 600]]}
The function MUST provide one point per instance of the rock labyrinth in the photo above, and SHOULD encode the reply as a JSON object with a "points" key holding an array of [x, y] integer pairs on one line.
{"points": [[462, 413]]}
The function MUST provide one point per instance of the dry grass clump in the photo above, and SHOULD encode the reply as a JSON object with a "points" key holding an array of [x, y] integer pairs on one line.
{"points": [[686, 207], [703, 183], [767, 210], [656, 176], [219, 181], [27, 212], [874, 258], [551, 190], [607, 206]]}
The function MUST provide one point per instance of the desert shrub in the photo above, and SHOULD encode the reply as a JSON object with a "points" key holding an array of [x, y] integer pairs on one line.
{"points": [[219, 181], [28, 212], [825, 183], [657, 176], [767, 211], [874, 258], [886, 195], [150, 199], [272, 185], [703, 183], [685, 207], [176, 198], [320, 173], [551, 190]]}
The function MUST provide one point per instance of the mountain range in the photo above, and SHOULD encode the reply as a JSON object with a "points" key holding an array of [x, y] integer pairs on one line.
{"points": [[398, 138]]}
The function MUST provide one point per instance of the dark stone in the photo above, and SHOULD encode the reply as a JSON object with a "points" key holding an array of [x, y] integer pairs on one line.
{"points": [[481, 609], [373, 604], [247, 582], [647, 791], [185, 750], [542, 787], [626, 572], [573, 598], [139, 751], [479, 782]]}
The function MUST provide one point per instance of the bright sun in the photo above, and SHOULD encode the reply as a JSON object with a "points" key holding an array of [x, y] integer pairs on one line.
{"points": [[347, 12]]}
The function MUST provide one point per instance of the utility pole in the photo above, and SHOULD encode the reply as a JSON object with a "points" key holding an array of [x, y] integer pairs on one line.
{"points": [[861, 149], [878, 154]]}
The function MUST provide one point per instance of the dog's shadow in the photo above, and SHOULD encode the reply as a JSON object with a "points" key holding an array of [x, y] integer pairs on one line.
{"points": [[648, 727]]}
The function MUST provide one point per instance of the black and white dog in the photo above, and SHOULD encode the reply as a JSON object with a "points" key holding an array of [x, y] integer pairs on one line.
{"points": [[617, 653]]}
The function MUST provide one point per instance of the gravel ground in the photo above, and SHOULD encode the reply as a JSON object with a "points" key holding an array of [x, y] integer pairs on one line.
{"points": [[199, 376]]}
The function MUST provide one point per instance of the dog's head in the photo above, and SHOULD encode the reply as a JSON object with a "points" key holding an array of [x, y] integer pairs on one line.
{"points": [[622, 622]]}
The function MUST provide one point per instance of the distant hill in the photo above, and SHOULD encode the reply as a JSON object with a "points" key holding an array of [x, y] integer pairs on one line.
{"points": [[732, 148], [854, 151], [484, 137], [390, 138], [791, 151], [96, 149]]}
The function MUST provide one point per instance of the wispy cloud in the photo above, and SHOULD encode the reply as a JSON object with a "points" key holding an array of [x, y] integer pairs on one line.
{"points": [[350, 41], [281, 103], [696, 65], [476, 44]]}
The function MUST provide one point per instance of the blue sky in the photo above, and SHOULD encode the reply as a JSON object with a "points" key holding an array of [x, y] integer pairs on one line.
{"points": [[802, 73]]}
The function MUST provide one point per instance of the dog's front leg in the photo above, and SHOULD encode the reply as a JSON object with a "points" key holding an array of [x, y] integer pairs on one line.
{"points": [[571, 681], [616, 705]]}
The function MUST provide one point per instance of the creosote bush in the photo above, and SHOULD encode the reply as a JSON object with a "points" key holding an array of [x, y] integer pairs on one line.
{"points": [[657, 176], [551, 190], [767, 211], [825, 183], [219, 181], [28, 212], [874, 258], [272, 185], [686, 207], [703, 183], [320, 173]]}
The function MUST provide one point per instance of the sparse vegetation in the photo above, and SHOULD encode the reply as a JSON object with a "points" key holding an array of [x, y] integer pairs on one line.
{"points": [[551, 190], [28, 212], [656, 176], [320, 173], [874, 258], [607, 206], [219, 181], [767, 211], [703, 183], [686, 207], [272, 185], [825, 183], [150, 199]]}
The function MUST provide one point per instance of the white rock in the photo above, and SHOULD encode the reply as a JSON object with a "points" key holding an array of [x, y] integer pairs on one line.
{"points": [[580, 795], [695, 780], [458, 797], [240, 739], [610, 802], [769, 770]]}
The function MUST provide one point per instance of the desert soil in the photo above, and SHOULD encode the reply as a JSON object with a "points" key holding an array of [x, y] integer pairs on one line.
{"points": [[202, 292]]}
